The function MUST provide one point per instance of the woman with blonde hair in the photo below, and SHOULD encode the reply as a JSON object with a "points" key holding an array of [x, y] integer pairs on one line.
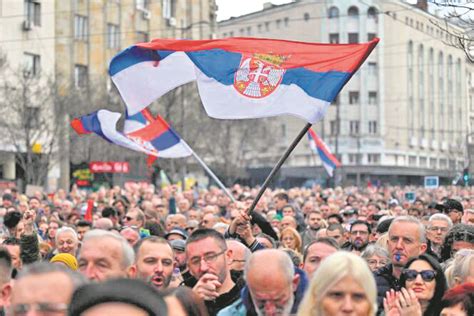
{"points": [[291, 239], [343, 283]]}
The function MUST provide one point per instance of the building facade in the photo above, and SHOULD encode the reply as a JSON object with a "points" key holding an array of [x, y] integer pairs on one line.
{"points": [[404, 115]]}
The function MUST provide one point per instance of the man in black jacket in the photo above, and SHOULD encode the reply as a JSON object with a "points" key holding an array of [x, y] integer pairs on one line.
{"points": [[208, 261], [406, 239]]}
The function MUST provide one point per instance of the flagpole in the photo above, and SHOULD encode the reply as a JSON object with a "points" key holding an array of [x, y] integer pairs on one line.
{"points": [[209, 171], [278, 166]]}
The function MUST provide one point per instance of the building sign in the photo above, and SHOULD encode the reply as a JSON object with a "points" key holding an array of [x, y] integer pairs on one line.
{"points": [[109, 167]]}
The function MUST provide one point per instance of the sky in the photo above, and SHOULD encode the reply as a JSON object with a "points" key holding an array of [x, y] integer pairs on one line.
{"points": [[229, 8]]}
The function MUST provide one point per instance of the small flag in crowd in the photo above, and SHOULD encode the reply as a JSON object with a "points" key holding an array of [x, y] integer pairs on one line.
{"points": [[240, 78], [329, 161], [155, 138]]}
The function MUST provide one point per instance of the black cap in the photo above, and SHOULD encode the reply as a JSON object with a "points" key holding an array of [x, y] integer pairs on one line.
{"points": [[127, 291]]}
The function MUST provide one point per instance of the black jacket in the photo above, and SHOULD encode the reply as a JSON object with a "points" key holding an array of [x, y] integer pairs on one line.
{"points": [[385, 281], [226, 299]]}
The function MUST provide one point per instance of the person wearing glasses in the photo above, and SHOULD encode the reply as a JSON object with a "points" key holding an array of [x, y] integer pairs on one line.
{"points": [[359, 237], [208, 260], [44, 289], [423, 286], [438, 227]]}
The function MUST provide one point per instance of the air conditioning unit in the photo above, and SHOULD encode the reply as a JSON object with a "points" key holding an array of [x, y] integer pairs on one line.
{"points": [[444, 145], [27, 25], [146, 14], [172, 21], [424, 143]]}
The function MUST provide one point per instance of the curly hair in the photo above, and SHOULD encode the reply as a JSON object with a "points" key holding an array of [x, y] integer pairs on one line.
{"points": [[457, 233]]}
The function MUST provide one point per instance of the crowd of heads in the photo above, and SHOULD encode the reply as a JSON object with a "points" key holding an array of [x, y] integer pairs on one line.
{"points": [[144, 250]]}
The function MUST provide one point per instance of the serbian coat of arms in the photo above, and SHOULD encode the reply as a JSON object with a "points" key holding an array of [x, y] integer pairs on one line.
{"points": [[259, 75]]}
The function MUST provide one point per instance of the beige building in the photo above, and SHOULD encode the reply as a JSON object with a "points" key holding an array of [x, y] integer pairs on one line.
{"points": [[403, 116]]}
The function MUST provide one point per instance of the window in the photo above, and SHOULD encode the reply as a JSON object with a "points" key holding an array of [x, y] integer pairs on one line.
{"points": [[336, 100], [306, 16], [333, 13], [32, 116], [334, 38], [372, 13], [142, 37], [31, 65], [286, 21], [373, 127], [224, 35], [267, 26], [353, 12], [249, 30], [373, 158], [143, 4], [80, 27], [259, 28], [333, 127], [371, 36], [231, 34], [353, 97], [354, 127], [33, 12], [278, 23], [113, 36], [372, 68], [353, 38], [354, 158], [373, 97], [168, 7], [80, 76], [242, 31]]}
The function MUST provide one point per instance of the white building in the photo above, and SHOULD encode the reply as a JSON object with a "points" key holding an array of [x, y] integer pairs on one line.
{"points": [[406, 112]]}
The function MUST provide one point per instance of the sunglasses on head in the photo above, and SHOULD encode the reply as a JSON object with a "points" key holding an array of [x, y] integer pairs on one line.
{"points": [[426, 275]]}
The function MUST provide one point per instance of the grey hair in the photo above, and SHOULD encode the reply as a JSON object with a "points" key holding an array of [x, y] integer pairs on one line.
{"points": [[38, 268], [414, 220], [65, 229], [441, 217], [217, 226], [283, 261], [128, 255], [374, 250], [462, 264]]}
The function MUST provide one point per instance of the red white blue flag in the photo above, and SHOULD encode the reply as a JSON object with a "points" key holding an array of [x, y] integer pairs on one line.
{"points": [[145, 134], [329, 161], [240, 78]]}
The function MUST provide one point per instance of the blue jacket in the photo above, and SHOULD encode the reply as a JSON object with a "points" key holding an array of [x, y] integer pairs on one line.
{"points": [[244, 306]]}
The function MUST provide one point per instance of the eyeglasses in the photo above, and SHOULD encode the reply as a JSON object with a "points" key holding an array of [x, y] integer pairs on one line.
{"points": [[208, 258], [39, 308], [441, 229], [426, 275]]}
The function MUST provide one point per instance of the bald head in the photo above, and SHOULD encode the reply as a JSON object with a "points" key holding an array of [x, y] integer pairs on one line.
{"points": [[240, 254], [258, 269]]}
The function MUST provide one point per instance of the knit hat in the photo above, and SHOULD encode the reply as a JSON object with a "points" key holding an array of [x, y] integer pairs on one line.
{"points": [[126, 291], [69, 260]]}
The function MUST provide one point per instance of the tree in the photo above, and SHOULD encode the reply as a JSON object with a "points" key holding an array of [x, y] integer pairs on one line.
{"points": [[460, 15], [29, 107]]}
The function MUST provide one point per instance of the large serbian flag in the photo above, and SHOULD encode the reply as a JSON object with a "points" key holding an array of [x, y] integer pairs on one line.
{"points": [[329, 161], [240, 77], [151, 136]]}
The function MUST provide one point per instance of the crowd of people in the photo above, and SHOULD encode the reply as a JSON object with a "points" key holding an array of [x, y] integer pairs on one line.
{"points": [[145, 250]]}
